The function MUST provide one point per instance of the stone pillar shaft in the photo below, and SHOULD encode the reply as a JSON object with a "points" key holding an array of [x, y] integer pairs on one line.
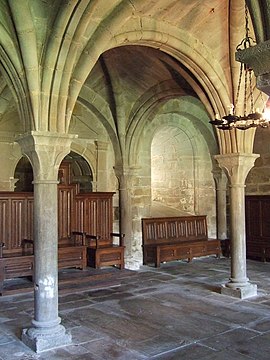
{"points": [[46, 267], [236, 167], [45, 152], [238, 235]]}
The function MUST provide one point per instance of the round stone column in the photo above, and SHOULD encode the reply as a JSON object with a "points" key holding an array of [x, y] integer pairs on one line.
{"points": [[236, 167], [221, 191], [130, 222], [45, 152]]}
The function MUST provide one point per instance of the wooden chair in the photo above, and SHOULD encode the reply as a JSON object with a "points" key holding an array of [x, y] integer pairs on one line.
{"points": [[94, 214], [103, 251]]}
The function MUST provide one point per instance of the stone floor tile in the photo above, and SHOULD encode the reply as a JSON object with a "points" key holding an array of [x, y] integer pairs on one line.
{"points": [[258, 348], [173, 312], [230, 339], [190, 352], [109, 350]]}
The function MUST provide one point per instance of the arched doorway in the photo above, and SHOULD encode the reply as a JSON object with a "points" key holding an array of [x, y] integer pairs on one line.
{"points": [[80, 172]]}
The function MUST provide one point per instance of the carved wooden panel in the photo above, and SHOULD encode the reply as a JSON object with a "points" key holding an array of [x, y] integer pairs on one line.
{"points": [[258, 226], [16, 219], [174, 229], [66, 210], [90, 212], [94, 214]]}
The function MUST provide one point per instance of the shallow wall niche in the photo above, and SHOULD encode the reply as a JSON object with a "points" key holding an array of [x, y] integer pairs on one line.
{"points": [[172, 169], [181, 171]]}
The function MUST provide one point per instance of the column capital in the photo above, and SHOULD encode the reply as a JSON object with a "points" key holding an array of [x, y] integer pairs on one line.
{"points": [[45, 150], [220, 179], [101, 145], [126, 170], [236, 166]]}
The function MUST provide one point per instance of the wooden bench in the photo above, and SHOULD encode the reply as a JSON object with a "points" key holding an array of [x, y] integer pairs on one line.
{"points": [[90, 212], [174, 238], [102, 251], [21, 264], [15, 264]]}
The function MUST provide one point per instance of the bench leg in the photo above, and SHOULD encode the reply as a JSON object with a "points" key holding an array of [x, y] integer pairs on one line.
{"points": [[157, 263], [2, 278]]}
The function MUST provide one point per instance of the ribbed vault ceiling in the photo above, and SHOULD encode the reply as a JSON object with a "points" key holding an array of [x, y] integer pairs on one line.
{"points": [[206, 31]]}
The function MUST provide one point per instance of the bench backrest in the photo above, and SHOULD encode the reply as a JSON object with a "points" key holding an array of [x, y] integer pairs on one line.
{"points": [[16, 220], [95, 215], [89, 212], [174, 229]]}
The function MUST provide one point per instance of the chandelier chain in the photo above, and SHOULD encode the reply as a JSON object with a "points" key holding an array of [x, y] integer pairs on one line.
{"points": [[234, 120], [238, 87], [251, 92]]}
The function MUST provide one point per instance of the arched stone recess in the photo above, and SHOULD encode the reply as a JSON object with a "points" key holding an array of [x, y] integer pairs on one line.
{"points": [[189, 121], [11, 154], [184, 105], [87, 152]]}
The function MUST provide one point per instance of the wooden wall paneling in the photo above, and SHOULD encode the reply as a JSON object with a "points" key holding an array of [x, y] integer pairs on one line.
{"points": [[94, 214], [5, 221], [16, 213], [66, 210], [257, 209]]}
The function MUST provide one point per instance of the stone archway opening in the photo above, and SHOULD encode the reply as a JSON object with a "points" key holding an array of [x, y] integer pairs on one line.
{"points": [[81, 173]]}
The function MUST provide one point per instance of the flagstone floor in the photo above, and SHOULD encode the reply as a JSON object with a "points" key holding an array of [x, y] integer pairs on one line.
{"points": [[172, 313]]}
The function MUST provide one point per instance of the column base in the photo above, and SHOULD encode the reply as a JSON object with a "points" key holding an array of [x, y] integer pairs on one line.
{"points": [[240, 292], [132, 263], [40, 340]]}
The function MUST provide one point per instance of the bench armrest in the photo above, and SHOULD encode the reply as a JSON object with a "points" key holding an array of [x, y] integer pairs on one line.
{"points": [[2, 245], [82, 234], [120, 236], [26, 244], [93, 237]]}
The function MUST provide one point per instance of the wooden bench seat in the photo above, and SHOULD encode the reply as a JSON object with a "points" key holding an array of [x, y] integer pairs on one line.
{"points": [[21, 264], [71, 252], [15, 264], [174, 238]]}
